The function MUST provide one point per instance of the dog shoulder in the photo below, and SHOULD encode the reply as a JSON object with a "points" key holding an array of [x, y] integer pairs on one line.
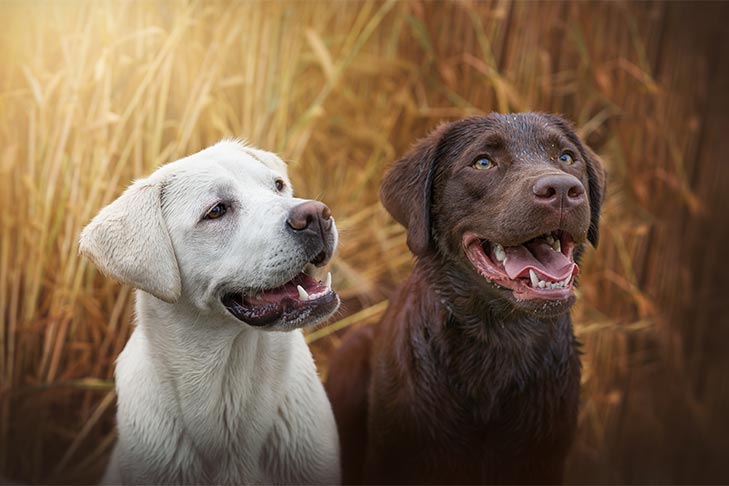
{"points": [[150, 436], [347, 386]]}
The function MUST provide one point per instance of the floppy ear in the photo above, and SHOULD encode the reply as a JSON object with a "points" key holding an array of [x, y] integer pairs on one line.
{"points": [[597, 182], [407, 187], [128, 240], [595, 176], [269, 159]]}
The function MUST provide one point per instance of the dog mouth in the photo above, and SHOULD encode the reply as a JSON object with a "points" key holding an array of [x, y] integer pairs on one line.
{"points": [[303, 300], [540, 268]]}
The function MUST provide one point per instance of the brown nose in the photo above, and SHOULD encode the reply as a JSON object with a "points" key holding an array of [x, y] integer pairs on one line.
{"points": [[559, 191], [311, 216]]}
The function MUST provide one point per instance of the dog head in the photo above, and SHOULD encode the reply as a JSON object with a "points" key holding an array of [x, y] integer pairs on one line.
{"points": [[509, 199], [221, 230]]}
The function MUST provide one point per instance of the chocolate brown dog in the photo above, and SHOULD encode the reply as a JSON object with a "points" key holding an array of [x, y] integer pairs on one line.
{"points": [[473, 374]]}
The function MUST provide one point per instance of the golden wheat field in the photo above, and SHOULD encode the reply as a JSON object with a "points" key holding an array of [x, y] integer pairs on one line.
{"points": [[95, 94]]}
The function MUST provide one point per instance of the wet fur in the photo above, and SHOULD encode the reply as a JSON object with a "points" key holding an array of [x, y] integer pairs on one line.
{"points": [[457, 383]]}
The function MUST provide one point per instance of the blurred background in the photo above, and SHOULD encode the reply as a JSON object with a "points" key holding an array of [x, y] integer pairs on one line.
{"points": [[94, 94]]}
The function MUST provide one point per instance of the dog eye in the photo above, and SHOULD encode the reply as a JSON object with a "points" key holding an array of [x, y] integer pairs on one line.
{"points": [[217, 211], [280, 184], [483, 163], [567, 158]]}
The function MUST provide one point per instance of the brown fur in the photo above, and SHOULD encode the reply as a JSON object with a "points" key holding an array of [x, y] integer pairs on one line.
{"points": [[459, 382]]}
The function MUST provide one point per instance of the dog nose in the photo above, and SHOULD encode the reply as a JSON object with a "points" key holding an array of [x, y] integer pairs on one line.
{"points": [[564, 190], [311, 216]]}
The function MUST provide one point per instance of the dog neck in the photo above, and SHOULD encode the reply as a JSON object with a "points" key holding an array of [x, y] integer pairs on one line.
{"points": [[451, 375], [213, 369], [511, 349]]}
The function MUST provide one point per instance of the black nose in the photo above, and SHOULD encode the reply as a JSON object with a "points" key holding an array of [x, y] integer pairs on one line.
{"points": [[311, 216], [559, 191]]}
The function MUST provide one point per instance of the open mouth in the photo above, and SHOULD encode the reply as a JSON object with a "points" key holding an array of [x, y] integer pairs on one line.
{"points": [[540, 268], [303, 298]]}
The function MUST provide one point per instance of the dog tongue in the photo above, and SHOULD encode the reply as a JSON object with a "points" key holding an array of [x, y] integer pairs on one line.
{"points": [[537, 254], [288, 290]]}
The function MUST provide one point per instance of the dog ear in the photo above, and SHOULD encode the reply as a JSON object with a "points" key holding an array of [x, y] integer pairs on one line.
{"points": [[597, 182], [407, 187], [128, 240], [269, 159], [595, 176]]}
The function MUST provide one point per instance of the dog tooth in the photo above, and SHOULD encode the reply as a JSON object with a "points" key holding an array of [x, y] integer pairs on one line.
{"points": [[258, 296], [328, 281], [499, 252], [557, 246], [550, 239], [542, 284], [302, 293], [533, 277]]}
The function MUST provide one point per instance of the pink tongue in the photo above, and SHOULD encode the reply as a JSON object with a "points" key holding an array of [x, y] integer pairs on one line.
{"points": [[540, 256], [275, 295], [289, 289]]}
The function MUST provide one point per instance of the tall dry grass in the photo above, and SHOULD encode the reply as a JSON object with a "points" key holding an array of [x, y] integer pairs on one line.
{"points": [[94, 94]]}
